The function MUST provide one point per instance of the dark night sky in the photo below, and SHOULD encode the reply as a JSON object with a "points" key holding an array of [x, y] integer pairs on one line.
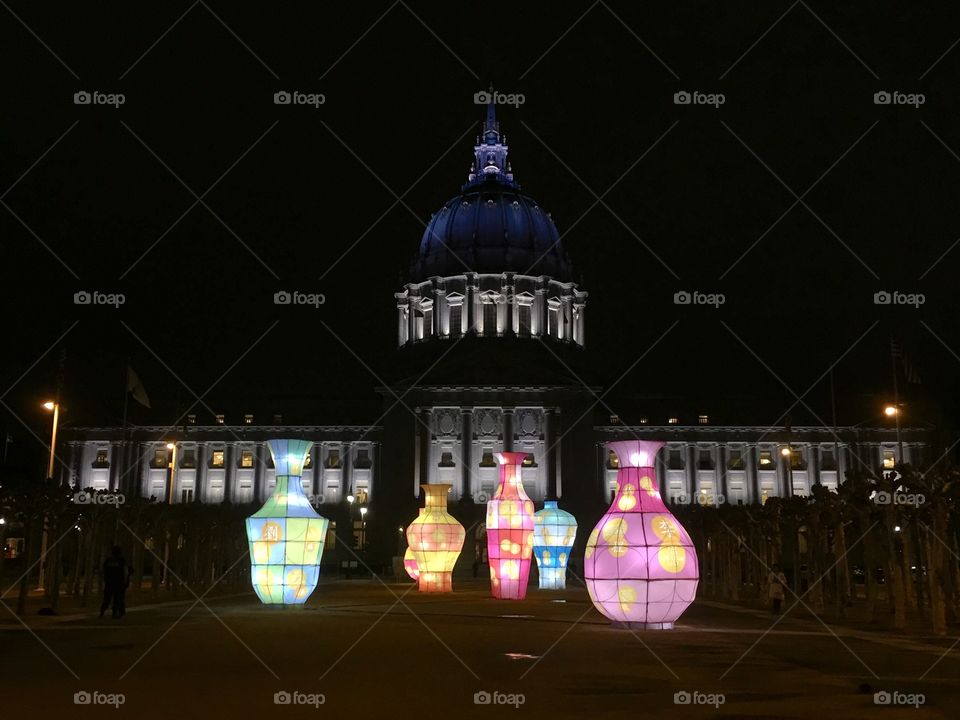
{"points": [[398, 100]]}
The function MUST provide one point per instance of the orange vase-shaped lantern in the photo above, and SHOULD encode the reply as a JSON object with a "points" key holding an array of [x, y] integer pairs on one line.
{"points": [[510, 531], [436, 539]]}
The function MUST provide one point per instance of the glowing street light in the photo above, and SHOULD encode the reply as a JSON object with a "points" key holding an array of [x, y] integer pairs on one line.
{"points": [[172, 447], [53, 406], [890, 410], [785, 452]]}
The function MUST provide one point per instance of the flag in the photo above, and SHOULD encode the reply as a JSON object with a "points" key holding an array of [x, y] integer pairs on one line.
{"points": [[135, 388], [909, 369]]}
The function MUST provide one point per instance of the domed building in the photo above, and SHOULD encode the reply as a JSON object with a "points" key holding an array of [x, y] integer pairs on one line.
{"points": [[490, 262], [491, 338]]}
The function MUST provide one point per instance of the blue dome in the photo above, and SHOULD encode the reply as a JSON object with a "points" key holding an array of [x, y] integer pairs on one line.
{"points": [[491, 228]]}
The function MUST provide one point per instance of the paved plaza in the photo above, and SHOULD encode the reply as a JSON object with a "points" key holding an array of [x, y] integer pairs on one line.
{"points": [[369, 649]]}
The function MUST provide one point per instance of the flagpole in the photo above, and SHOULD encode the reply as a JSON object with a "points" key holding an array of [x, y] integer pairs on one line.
{"points": [[123, 437], [896, 400]]}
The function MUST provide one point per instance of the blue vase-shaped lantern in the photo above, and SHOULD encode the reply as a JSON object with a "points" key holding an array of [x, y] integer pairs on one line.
{"points": [[554, 531], [286, 535]]}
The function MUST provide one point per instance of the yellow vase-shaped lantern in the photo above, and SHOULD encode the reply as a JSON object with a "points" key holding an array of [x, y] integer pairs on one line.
{"points": [[435, 539]]}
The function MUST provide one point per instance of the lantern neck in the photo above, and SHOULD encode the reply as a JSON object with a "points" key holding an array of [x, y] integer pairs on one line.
{"points": [[638, 490], [549, 504], [435, 496]]}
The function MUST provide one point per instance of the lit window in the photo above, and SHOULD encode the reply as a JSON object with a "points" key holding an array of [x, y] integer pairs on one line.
{"points": [[160, 459], [704, 419], [248, 419], [828, 461], [246, 459], [643, 421], [889, 460], [456, 319], [363, 459], [191, 419], [219, 419], [529, 461], [216, 459], [101, 458], [446, 459], [308, 461], [766, 459], [486, 459], [613, 461], [333, 459], [672, 421], [188, 459], [614, 419], [736, 460], [675, 459]]}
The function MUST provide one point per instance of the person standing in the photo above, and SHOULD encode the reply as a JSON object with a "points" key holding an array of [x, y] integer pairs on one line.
{"points": [[776, 584], [115, 582]]}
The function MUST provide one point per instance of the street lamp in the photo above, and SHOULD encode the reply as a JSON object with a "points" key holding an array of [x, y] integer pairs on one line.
{"points": [[172, 447], [55, 408], [786, 452], [893, 410]]}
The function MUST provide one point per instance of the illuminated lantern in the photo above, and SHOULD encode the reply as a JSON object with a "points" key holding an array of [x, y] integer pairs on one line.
{"points": [[640, 566], [410, 561], [553, 533], [509, 531], [286, 535], [436, 539]]}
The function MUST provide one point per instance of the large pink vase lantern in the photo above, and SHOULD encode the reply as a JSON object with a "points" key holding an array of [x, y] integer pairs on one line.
{"points": [[640, 566], [510, 531]]}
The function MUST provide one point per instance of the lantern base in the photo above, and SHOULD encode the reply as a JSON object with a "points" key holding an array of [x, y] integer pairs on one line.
{"points": [[643, 626]]}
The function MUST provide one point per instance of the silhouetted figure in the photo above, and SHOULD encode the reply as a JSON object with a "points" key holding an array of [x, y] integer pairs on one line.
{"points": [[776, 584], [115, 581]]}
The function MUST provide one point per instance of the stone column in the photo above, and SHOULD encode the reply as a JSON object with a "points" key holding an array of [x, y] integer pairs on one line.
{"points": [[721, 472], [466, 451], [508, 429], [439, 308], [661, 466], [115, 453], [691, 489], [751, 479], [346, 470], [549, 466], [316, 463], [813, 465], [201, 491], [259, 472], [229, 473]]}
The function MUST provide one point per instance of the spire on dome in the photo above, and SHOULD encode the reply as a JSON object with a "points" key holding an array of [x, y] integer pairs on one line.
{"points": [[490, 153]]}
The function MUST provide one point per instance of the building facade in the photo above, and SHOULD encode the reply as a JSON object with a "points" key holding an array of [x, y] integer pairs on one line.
{"points": [[492, 291]]}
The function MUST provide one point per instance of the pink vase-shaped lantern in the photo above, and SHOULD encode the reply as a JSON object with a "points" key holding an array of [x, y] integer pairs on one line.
{"points": [[510, 531], [640, 566]]}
